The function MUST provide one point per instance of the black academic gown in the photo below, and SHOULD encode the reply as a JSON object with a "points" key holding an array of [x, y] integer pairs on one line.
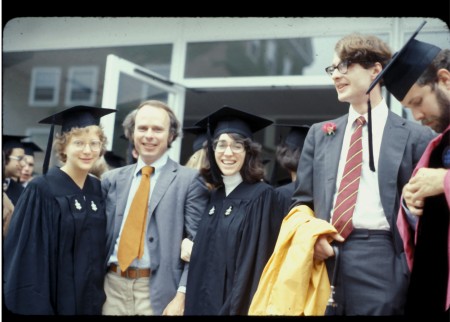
{"points": [[427, 291], [14, 191], [54, 252], [284, 194], [235, 239]]}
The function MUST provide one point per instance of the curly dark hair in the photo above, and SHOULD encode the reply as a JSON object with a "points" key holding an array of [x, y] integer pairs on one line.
{"points": [[287, 157], [252, 170]]}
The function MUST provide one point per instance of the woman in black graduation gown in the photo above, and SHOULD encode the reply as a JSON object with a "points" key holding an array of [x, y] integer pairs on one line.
{"points": [[238, 231], [54, 253]]}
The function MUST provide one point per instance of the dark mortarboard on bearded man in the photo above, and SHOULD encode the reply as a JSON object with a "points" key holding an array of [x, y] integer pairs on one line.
{"points": [[31, 148], [12, 141], [407, 65], [74, 117], [230, 120], [296, 135], [401, 73], [200, 136]]}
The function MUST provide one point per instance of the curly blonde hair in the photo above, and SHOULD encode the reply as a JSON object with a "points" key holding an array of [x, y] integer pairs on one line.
{"points": [[61, 140]]}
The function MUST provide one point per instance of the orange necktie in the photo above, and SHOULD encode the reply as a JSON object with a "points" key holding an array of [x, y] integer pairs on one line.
{"points": [[348, 189], [131, 243]]}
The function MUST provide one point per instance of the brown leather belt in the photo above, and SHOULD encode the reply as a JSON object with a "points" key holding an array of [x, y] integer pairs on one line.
{"points": [[131, 272]]}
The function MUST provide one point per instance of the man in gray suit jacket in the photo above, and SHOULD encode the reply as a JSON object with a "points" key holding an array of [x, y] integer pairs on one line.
{"points": [[154, 284], [372, 277]]}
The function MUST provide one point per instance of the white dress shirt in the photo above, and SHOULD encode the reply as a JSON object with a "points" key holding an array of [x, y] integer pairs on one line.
{"points": [[368, 213]]}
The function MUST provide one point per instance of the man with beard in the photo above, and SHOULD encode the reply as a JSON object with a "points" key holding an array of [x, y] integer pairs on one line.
{"points": [[419, 78]]}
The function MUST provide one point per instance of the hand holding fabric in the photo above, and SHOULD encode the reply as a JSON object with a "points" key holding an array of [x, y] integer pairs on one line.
{"points": [[427, 182]]}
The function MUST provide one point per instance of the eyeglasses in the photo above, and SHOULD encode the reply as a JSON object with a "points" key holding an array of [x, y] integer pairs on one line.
{"points": [[342, 67], [17, 158], [221, 146], [94, 145]]}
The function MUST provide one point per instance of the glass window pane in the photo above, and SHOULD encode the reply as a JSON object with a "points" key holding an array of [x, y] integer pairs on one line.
{"points": [[271, 57], [268, 57]]}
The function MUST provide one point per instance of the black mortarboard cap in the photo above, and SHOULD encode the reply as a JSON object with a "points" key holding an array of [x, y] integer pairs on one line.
{"points": [[31, 148], [296, 136], [200, 136], [401, 88], [76, 116], [406, 66], [231, 120], [114, 160], [12, 141]]}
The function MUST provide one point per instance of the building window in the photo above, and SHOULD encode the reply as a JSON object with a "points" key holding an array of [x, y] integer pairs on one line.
{"points": [[81, 86], [44, 89]]}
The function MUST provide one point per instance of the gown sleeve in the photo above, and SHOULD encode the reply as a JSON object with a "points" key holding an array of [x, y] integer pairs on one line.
{"points": [[29, 252]]}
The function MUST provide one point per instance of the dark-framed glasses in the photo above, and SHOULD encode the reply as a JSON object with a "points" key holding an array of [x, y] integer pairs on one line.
{"points": [[342, 67], [221, 146]]}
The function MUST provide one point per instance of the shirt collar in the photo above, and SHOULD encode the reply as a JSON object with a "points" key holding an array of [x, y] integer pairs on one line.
{"points": [[379, 114], [157, 165]]}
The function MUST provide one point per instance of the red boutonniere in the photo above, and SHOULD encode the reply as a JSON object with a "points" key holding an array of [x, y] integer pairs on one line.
{"points": [[329, 128]]}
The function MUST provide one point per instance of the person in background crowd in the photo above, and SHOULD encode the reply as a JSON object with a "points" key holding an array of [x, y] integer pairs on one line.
{"points": [[105, 163], [239, 227], [8, 206], [288, 154], [113, 160], [14, 152], [153, 281], [372, 278], [197, 160], [128, 130], [28, 169], [59, 226], [419, 77], [99, 167]]}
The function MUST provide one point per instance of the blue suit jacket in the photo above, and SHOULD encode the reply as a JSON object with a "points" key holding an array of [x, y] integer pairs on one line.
{"points": [[176, 206]]}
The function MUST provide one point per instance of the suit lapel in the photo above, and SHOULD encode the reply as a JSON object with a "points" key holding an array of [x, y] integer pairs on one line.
{"points": [[392, 149], [168, 173], [333, 148]]}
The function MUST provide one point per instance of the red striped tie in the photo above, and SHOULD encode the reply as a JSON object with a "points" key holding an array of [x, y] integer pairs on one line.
{"points": [[348, 189]]}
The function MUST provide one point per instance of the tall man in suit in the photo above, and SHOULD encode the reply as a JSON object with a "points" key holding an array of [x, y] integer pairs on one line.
{"points": [[154, 284], [372, 277]]}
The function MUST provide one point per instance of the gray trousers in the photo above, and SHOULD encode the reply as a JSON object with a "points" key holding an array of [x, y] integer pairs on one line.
{"points": [[371, 278]]}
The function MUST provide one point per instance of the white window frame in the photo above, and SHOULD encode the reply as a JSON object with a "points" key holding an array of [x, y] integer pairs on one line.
{"points": [[54, 80], [92, 85]]}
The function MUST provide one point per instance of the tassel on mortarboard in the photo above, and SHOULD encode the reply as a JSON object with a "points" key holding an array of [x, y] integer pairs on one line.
{"points": [[401, 73], [48, 152]]}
